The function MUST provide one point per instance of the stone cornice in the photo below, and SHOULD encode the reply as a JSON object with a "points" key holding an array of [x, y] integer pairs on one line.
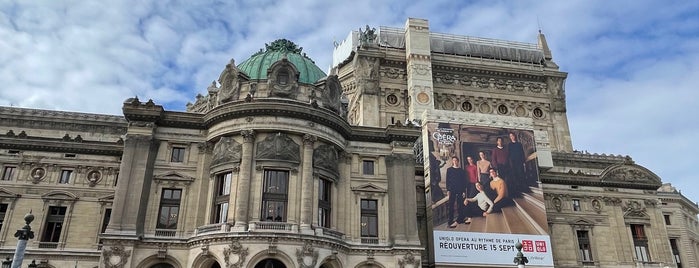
{"points": [[591, 180], [59, 145]]}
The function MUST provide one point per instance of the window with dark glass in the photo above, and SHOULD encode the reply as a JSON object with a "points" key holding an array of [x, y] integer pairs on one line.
{"points": [[105, 219], [370, 218], [221, 197], [640, 242], [169, 209], [675, 252], [54, 224], [368, 167], [8, 173], [576, 204], [3, 210], [667, 219], [324, 205], [584, 246], [65, 176], [177, 154], [275, 195]]}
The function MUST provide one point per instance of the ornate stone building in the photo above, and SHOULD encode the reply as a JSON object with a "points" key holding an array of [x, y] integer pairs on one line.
{"points": [[281, 165]]}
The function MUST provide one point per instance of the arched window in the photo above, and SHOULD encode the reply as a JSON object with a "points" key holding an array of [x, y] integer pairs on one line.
{"points": [[270, 263], [162, 265]]}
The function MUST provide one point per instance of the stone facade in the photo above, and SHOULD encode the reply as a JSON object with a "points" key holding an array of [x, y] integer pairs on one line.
{"points": [[269, 170]]}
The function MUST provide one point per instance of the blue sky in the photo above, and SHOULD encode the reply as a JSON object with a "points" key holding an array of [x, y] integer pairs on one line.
{"points": [[633, 65]]}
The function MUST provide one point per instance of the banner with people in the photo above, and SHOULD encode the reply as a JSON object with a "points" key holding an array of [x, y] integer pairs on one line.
{"points": [[485, 195]]}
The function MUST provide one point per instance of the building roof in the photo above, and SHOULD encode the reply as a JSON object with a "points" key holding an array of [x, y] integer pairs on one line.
{"points": [[257, 65]]}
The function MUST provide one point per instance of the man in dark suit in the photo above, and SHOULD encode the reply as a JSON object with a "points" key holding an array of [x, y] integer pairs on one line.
{"points": [[456, 189]]}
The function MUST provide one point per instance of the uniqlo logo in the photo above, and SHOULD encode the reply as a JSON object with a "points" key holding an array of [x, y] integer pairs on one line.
{"points": [[527, 246], [540, 246]]}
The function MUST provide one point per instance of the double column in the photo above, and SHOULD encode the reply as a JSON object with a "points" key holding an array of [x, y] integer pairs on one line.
{"points": [[307, 184], [244, 180]]}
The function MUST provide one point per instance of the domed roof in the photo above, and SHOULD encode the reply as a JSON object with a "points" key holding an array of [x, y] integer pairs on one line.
{"points": [[256, 66]]}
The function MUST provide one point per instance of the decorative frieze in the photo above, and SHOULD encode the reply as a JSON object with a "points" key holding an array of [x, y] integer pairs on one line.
{"points": [[491, 83]]}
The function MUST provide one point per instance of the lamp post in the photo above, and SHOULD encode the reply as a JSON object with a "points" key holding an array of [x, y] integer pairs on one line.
{"points": [[520, 260], [23, 235]]}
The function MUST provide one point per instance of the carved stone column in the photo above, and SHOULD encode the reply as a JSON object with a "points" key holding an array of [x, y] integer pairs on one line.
{"points": [[244, 179], [307, 183]]}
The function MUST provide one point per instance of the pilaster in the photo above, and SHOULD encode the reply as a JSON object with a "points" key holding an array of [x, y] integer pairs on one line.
{"points": [[307, 184], [419, 67], [244, 180]]}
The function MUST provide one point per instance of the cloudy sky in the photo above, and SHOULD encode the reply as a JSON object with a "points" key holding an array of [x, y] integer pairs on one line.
{"points": [[633, 65]]}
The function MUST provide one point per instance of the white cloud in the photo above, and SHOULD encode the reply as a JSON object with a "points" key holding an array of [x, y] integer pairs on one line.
{"points": [[632, 64]]}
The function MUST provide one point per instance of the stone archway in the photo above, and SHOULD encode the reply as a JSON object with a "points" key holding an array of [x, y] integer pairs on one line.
{"points": [[270, 263], [162, 265]]}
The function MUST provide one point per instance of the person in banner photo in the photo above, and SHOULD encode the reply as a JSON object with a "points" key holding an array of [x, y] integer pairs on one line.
{"points": [[456, 190], [499, 159], [516, 157], [499, 187], [483, 201], [472, 172], [483, 166]]}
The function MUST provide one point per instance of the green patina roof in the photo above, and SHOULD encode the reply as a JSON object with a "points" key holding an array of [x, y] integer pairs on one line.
{"points": [[256, 66]]}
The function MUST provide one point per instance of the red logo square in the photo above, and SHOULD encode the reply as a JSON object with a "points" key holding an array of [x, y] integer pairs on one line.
{"points": [[540, 246], [527, 245]]}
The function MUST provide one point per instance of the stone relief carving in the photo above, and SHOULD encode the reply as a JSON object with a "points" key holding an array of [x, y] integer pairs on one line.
{"points": [[392, 73], [278, 147], [38, 174], [420, 69], [326, 157], [226, 150], [409, 259], [248, 135], [492, 83], [557, 203], [596, 205], [93, 177], [230, 84], [235, 250], [634, 208], [116, 256], [332, 93], [628, 173], [307, 252], [282, 80]]}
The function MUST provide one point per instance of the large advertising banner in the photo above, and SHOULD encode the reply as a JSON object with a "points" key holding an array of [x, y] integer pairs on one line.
{"points": [[485, 195]]}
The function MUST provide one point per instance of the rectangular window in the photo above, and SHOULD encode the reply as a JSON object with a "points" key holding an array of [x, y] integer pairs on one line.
{"points": [[640, 242], [324, 205], [8, 173], [675, 252], [223, 192], [667, 219], [584, 246], [177, 154], [576, 204], [105, 219], [65, 176], [3, 210], [274, 195], [54, 224], [169, 209], [368, 167], [370, 218]]}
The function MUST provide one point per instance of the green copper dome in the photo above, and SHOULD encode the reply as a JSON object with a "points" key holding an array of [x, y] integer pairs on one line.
{"points": [[256, 66]]}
